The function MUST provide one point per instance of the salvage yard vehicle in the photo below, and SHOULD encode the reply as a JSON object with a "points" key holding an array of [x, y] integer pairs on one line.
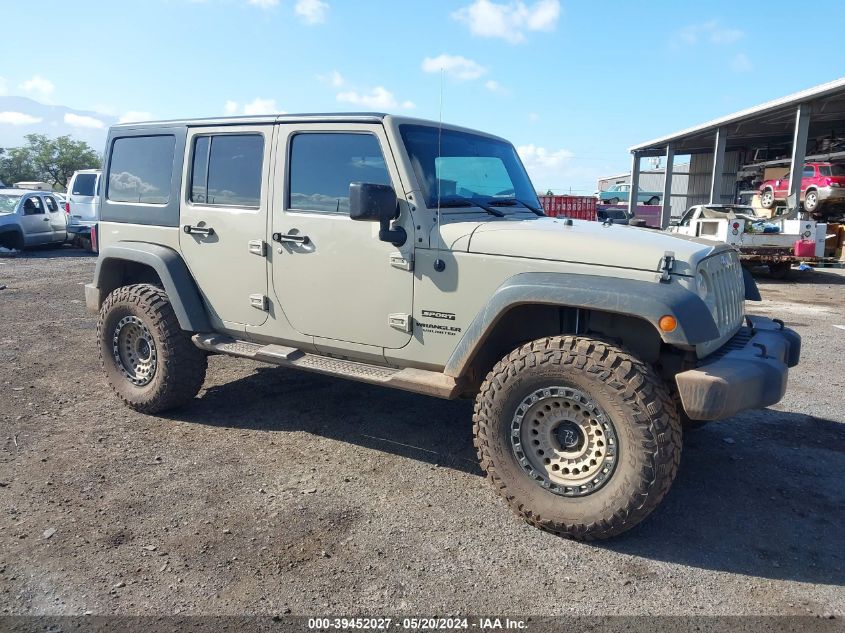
{"points": [[822, 188], [763, 241], [622, 192], [30, 218], [83, 205], [408, 254]]}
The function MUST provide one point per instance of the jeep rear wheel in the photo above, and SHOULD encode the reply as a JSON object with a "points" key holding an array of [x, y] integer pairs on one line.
{"points": [[581, 438], [149, 361], [767, 199]]}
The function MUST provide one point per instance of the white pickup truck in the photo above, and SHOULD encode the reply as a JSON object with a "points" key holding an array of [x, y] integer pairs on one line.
{"points": [[769, 241]]}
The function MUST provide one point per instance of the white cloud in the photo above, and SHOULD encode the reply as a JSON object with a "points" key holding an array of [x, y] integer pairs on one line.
{"points": [[255, 107], [38, 86], [135, 115], [710, 31], [18, 118], [378, 98], [741, 64], [311, 11], [264, 4], [546, 167], [494, 86], [3, 86], [509, 21], [78, 120], [455, 66], [261, 106], [334, 78]]}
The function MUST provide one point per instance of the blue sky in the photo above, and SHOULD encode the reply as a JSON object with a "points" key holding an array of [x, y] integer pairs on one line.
{"points": [[572, 84]]}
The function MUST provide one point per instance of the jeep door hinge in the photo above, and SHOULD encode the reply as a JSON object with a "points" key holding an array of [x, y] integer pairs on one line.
{"points": [[258, 247], [397, 260], [401, 322], [258, 301]]}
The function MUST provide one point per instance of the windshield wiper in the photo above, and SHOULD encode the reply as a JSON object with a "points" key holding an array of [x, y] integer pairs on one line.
{"points": [[454, 201], [512, 202]]}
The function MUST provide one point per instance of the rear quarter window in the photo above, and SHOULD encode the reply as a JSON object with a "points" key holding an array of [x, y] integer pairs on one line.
{"points": [[84, 185], [140, 170]]}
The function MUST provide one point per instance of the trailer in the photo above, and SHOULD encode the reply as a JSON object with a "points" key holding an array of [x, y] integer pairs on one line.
{"points": [[774, 242]]}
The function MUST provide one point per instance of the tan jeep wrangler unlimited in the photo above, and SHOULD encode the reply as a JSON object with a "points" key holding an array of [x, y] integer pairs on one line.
{"points": [[404, 253]]}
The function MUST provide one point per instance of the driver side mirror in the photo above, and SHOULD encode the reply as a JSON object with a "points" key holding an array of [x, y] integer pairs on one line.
{"points": [[370, 202]]}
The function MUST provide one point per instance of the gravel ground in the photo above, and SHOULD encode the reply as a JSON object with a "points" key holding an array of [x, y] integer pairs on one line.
{"points": [[278, 491]]}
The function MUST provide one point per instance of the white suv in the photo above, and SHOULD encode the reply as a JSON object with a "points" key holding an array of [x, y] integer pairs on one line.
{"points": [[83, 204]]}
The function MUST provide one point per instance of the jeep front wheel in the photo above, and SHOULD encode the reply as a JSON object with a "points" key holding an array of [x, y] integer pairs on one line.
{"points": [[580, 437], [149, 361]]}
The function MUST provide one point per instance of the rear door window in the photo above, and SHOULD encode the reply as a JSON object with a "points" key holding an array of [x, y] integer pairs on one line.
{"points": [[50, 201], [84, 185], [226, 170], [141, 169]]}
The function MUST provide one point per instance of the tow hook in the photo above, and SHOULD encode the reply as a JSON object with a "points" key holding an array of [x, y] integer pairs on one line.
{"points": [[667, 263]]}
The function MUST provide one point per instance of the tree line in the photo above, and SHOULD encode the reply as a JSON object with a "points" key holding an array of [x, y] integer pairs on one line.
{"points": [[43, 159]]}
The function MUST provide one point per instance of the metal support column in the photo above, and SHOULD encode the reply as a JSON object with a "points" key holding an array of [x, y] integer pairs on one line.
{"points": [[666, 206], [718, 166], [799, 150], [635, 184]]}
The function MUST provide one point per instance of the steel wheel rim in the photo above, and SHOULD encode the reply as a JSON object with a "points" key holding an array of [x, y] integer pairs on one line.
{"points": [[134, 350], [564, 441], [767, 198]]}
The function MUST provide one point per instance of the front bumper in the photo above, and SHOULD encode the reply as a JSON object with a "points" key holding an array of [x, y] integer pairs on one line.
{"points": [[748, 372]]}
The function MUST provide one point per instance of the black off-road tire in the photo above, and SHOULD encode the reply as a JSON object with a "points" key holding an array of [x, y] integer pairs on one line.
{"points": [[633, 397], [180, 366]]}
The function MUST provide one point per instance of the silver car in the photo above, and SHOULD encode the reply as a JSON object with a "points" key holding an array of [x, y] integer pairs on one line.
{"points": [[30, 218]]}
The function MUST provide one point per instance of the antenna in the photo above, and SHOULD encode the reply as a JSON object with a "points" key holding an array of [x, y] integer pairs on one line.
{"points": [[439, 264]]}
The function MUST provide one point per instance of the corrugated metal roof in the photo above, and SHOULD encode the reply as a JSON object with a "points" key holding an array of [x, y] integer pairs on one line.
{"points": [[834, 88]]}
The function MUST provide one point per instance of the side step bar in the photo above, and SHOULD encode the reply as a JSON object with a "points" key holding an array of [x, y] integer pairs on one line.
{"points": [[431, 383]]}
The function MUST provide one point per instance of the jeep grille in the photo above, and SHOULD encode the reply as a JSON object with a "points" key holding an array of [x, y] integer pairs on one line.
{"points": [[728, 306]]}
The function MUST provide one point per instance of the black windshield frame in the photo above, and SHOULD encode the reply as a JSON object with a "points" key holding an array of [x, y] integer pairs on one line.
{"points": [[425, 144]]}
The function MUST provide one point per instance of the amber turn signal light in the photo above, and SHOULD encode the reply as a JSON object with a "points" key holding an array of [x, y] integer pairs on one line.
{"points": [[667, 323]]}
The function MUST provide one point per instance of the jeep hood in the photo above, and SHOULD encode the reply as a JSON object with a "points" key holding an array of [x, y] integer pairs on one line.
{"points": [[582, 242]]}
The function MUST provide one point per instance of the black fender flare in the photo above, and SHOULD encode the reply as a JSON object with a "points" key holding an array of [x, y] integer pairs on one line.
{"points": [[646, 300], [171, 268]]}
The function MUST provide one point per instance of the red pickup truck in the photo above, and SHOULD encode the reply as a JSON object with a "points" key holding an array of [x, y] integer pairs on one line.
{"points": [[821, 183]]}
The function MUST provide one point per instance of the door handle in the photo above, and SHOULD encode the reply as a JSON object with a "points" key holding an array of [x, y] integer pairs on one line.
{"points": [[46, 219], [291, 238], [198, 230]]}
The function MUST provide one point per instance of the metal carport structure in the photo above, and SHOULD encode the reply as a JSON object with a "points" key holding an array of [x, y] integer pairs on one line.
{"points": [[795, 119]]}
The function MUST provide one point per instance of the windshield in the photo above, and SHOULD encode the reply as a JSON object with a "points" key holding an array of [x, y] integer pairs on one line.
{"points": [[8, 202], [83, 184], [463, 165]]}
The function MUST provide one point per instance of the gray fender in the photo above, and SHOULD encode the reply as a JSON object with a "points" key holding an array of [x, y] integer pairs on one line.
{"points": [[646, 300], [172, 270]]}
